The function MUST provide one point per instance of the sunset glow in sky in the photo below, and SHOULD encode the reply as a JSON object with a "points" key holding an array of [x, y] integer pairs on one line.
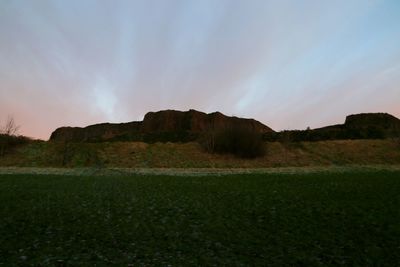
{"points": [[289, 64]]}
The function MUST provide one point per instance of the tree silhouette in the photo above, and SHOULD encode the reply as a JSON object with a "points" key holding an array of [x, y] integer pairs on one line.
{"points": [[10, 127]]}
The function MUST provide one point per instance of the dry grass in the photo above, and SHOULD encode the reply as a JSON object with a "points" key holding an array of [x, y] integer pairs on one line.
{"points": [[190, 155]]}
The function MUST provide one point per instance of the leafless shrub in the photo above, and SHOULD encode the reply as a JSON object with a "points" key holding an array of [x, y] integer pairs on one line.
{"points": [[9, 137], [10, 127], [241, 142]]}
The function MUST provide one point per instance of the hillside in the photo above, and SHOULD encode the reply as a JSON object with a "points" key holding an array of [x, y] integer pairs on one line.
{"points": [[166, 125], [190, 155], [167, 139]]}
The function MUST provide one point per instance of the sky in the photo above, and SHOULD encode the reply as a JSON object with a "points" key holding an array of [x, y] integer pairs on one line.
{"points": [[289, 64]]}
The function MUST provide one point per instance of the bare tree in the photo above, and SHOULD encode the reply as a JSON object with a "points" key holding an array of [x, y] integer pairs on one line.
{"points": [[10, 128]]}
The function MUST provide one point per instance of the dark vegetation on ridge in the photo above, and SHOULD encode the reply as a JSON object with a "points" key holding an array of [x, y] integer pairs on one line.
{"points": [[359, 126], [9, 137], [8, 142]]}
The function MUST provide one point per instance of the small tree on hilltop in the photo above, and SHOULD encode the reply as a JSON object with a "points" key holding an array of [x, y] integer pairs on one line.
{"points": [[10, 128], [8, 136]]}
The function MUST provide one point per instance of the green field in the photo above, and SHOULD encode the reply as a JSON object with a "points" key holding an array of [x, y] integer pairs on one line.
{"points": [[320, 219]]}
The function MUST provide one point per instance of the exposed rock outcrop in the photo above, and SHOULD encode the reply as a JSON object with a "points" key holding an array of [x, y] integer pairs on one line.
{"points": [[196, 122], [167, 125], [182, 126], [97, 132], [357, 126], [382, 121]]}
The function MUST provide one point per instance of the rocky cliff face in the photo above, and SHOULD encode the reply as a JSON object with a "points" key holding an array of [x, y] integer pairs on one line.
{"points": [[382, 121], [163, 125], [94, 133], [196, 122], [373, 124]]}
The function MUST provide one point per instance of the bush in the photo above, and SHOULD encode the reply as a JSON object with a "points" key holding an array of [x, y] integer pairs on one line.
{"points": [[8, 142], [238, 141]]}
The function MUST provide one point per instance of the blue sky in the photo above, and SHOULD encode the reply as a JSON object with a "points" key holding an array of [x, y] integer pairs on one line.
{"points": [[289, 64]]}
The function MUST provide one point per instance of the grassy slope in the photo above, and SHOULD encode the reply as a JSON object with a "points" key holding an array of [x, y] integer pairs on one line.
{"points": [[190, 155], [325, 219]]}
